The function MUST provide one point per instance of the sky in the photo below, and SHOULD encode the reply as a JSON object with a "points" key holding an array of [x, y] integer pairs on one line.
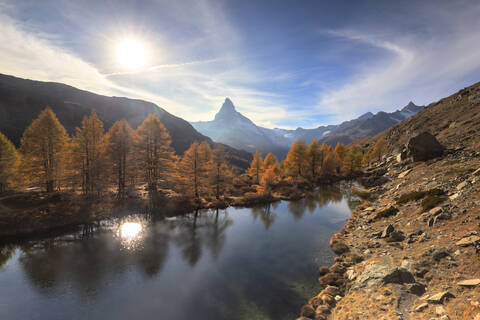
{"points": [[286, 64]]}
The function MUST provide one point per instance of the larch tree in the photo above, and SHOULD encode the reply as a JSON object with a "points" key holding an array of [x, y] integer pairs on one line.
{"points": [[42, 148], [269, 179], [314, 159], [120, 143], [154, 155], [8, 162], [270, 161], [331, 163], [296, 161], [88, 147], [194, 168], [379, 149], [352, 162], [221, 176], [340, 150], [256, 167]]}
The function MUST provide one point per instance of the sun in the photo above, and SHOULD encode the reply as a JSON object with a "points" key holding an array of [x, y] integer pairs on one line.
{"points": [[131, 54]]}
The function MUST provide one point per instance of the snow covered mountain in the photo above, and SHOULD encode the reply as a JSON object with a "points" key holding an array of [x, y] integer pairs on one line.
{"points": [[234, 129]]}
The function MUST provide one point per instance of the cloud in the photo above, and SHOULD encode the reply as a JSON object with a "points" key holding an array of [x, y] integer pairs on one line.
{"points": [[422, 67]]}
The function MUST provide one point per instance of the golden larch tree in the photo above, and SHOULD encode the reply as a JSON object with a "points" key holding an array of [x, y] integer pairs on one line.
{"points": [[314, 159], [270, 161], [8, 162], [256, 167], [42, 148], [269, 179], [194, 168], [331, 163], [154, 155], [340, 150], [120, 146], [296, 161], [221, 177], [88, 159]]}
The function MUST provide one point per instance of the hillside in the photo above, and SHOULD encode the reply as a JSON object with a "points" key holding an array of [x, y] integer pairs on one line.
{"points": [[233, 128], [411, 249], [454, 120], [22, 100]]}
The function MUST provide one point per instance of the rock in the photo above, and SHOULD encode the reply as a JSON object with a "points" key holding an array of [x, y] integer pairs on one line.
{"points": [[445, 317], [468, 241], [404, 173], [323, 270], [454, 196], [421, 307], [476, 172], [424, 147], [440, 297], [396, 236], [350, 274], [307, 311], [436, 211], [402, 156], [462, 185], [438, 254], [377, 275], [439, 310], [416, 288], [469, 283], [387, 231], [331, 290], [369, 209]]}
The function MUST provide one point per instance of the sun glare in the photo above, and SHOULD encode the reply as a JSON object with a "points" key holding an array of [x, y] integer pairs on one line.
{"points": [[131, 54], [130, 230]]}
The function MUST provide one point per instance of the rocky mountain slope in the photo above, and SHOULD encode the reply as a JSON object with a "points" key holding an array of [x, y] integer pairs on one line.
{"points": [[233, 128], [22, 100], [411, 250]]}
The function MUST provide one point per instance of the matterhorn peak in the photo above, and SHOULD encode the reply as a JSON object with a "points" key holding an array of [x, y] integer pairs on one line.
{"points": [[227, 109]]}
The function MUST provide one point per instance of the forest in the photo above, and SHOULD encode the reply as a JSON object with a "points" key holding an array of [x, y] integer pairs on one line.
{"points": [[125, 162]]}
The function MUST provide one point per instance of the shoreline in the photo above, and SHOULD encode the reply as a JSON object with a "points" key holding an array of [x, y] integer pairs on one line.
{"points": [[397, 261], [74, 211]]}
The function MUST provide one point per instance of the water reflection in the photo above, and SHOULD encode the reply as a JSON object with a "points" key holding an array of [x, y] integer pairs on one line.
{"points": [[211, 263]]}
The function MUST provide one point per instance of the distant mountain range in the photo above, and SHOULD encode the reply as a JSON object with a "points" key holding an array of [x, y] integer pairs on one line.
{"points": [[233, 128], [22, 100]]}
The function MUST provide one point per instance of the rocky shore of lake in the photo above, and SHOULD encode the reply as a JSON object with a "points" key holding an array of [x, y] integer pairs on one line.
{"points": [[413, 250]]}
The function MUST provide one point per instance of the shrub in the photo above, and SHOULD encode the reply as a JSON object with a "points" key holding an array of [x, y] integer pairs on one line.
{"points": [[417, 195], [431, 202], [387, 213], [339, 247], [355, 258]]}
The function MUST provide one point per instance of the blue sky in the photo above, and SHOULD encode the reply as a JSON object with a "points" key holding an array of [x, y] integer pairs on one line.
{"points": [[283, 63]]}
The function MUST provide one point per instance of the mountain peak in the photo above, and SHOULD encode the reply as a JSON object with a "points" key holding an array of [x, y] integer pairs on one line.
{"points": [[227, 109]]}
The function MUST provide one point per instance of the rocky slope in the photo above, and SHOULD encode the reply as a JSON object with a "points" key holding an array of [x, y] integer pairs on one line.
{"points": [[22, 100], [412, 251], [236, 130]]}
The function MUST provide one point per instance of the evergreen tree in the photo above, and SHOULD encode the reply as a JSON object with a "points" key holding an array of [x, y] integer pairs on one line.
{"points": [[153, 152], [42, 148], [256, 167], [8, 162], [88, 158], [120, 142], [296, 161]]}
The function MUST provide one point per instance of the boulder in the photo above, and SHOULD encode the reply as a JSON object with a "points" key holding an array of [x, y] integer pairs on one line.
{"points": [[468, 241], [440, 297], [424, 147], [421, 307], [376, 275], [308, 311], [387, 231], [469, 283]]}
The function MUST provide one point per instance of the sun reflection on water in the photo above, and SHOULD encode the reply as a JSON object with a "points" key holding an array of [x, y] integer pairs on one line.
{"points": [[130, 233]]}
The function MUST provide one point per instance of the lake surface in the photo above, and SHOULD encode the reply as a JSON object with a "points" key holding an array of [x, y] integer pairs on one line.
{"points": [[249, 263]]}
